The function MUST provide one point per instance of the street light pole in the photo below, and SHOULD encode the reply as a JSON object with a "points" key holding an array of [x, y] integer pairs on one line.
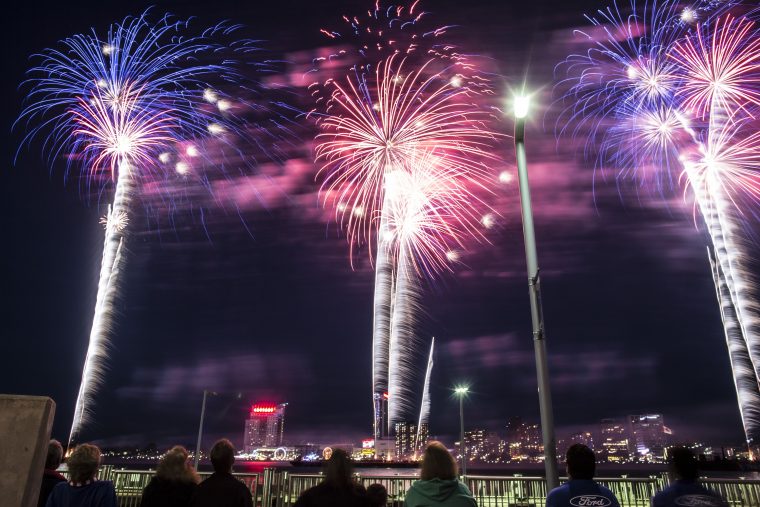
{"points": [[461, 391], [200, 427], [534, 287]]}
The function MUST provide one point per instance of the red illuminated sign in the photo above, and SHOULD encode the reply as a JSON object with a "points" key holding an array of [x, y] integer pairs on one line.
{"points": [[263, 409]]}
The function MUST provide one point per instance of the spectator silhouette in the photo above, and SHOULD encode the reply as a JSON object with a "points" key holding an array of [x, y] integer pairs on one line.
{"points": [[581, 489], [438, 484], [338, 489], [685, 488], [83, 489], [221, 489], [174, 483], [51, 477], [377, 495]]}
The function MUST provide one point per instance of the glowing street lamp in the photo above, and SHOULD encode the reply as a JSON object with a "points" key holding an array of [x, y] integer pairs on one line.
{"points": [[461, 391], [521, 108]]}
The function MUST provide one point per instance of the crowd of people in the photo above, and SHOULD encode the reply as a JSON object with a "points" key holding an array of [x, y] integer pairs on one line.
{"points": [[177, 484]]}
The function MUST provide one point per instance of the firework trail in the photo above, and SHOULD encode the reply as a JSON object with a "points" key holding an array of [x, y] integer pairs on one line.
{"points": [[425, 405], [377, 36], [680, 94], [372, 136], [113, 106]]}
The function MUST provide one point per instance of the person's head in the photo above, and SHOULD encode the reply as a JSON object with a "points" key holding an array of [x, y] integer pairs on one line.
{"points": [[54, 455], [222, 456], [683, 464], [338, 469], [84, 463], [581, 462], [438, 463], [174, 466], [377, 495]]}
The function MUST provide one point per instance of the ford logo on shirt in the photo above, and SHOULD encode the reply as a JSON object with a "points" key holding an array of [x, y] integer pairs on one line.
{"points": [[698, 501], [590, 501]]}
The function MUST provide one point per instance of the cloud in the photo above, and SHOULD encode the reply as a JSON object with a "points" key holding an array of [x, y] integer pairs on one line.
{"points": [[227, 374]]}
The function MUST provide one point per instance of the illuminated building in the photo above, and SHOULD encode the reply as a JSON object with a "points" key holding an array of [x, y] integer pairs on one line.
{"points": [[385, 449], [406, 439], [583, 437], [524, 441], [648, 437], [475, 444], [423, 435], [381, 429], [264, 427], [615, 446]]}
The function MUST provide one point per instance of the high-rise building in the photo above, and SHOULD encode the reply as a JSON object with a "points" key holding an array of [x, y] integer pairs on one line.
{"points": [[381, 429], [615, 445], [406, 439], [475, 444], [583, 437], [524, 441], [648, 437], [422, 436], [264, 427]]}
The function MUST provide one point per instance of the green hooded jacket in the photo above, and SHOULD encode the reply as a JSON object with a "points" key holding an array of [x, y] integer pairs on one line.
{"points": [[437, 492]]}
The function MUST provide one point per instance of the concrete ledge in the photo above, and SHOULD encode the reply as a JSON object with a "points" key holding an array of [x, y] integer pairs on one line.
{"points": [[25, 424]]}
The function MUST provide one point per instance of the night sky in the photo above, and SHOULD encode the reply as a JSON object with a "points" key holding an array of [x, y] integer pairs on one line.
{"points": [[268, 306]]}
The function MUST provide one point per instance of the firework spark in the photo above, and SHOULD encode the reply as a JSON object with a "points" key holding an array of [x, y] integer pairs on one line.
{"points": [[379, 127], [115, 106], [684, 114]]}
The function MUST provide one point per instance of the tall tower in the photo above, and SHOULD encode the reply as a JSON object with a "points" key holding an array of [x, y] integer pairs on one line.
{"points": [[381, 429], [264, 427]]}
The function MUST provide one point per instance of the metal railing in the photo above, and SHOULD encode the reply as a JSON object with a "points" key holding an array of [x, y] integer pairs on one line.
{"points": [[280, 488], [738, 492], [129, 484]]}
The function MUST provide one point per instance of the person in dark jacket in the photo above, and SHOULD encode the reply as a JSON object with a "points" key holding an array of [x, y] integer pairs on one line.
{"points": [[51, 477], [83, 488], [581, 489], [438, 485], [338, 489], [685, 488], [174, 483], [222, 489]]}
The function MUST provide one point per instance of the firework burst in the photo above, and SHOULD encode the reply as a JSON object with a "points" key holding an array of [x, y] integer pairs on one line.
{"points": [[676, 98], [113, 106]]}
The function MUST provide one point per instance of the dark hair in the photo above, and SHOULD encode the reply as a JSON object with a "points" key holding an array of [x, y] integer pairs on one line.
{"points": [[84, 463], [683, 463], [581, 462], [54, 455], [222, 456], [377, 495], [338, 469], [438, 463], [175, 467]]}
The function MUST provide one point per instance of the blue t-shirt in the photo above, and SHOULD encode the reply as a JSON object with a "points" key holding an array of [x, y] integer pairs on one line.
{"points": [[94, 494], [687, 494], [581, 493]]}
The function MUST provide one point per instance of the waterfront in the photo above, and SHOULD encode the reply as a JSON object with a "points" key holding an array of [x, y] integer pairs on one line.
{"points": [[407, 470]]}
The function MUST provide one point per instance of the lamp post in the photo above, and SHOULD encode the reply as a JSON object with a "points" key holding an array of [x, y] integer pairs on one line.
{"points": [[461, 391], [206, 392], [521, 106]]}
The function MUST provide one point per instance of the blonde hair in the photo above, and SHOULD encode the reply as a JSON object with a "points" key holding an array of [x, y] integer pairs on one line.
{"points": [[175, 467]]}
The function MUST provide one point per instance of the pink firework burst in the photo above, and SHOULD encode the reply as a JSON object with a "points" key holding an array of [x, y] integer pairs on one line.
{"points": [[720, 66], [371, 132], [431, 208]]}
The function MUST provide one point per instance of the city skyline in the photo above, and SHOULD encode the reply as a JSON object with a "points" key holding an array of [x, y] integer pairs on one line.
{"points": [[260, 297]]}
